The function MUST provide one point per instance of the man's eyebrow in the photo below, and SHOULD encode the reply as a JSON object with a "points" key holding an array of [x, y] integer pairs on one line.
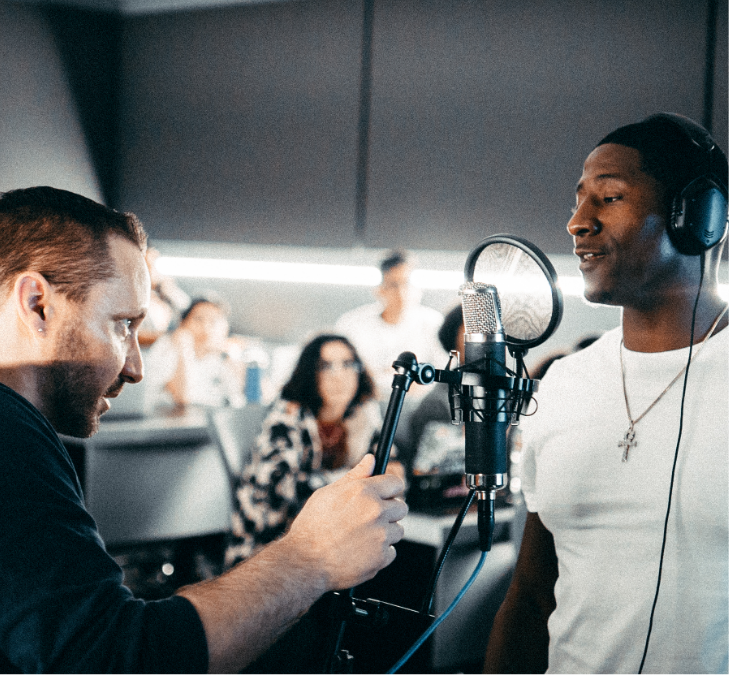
{"points": [[600, 177]]}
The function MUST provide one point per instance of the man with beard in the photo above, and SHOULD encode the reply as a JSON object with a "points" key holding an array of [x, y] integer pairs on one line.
{"points": [[624, 561], [74, 289]]}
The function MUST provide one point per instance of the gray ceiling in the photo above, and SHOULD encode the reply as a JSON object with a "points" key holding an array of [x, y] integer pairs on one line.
{"points": [[239, 123]]}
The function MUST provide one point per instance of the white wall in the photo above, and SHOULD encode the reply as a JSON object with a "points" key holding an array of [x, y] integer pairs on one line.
{"points": [[41, 140]]}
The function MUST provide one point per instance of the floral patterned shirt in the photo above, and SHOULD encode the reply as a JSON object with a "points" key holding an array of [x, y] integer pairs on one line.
{"points": [[286, 468]]}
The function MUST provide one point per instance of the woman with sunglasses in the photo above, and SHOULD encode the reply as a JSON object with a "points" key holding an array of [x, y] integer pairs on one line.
{"points": [[322, 424]]}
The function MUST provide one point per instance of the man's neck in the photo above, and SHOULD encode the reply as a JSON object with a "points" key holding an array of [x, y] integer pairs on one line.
{"points": [[668, 327], [22, 379], [392, 316]]}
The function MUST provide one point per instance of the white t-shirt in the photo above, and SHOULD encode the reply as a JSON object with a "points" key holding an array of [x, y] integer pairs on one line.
{"points": [[379, 343], [210, 380], [607, 515]]}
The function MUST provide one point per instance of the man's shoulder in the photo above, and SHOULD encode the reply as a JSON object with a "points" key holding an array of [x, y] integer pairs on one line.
{"points": [[354, 317], [16, 412], [717, 343], [30, 445], [580, 373], [605, 345], [426, 314]]}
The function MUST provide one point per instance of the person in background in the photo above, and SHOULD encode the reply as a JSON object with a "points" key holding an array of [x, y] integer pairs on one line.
{"points": [[434, 407], [74, 289], [166, 303], [198, 363], [381, 331], [323, 423]]}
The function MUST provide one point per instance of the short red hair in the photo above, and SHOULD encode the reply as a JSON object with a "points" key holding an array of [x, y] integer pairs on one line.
{"points": [[63, 236]]}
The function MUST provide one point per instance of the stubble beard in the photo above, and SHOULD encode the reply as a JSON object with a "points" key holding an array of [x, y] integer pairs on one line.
{"points": [[71, 389]]}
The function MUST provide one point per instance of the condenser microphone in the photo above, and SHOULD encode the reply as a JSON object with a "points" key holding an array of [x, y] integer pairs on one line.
{"points": [[485, 405]]}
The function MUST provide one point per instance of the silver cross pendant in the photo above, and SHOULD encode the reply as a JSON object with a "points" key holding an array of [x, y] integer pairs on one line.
{"points": [[628, 442]]}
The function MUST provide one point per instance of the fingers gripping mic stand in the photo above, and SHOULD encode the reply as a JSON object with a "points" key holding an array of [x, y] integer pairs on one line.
{"points": [[374, 612], [462, 382]]}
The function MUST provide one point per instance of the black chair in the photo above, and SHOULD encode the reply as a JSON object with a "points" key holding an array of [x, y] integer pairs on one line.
{"points": [[234, 431]]}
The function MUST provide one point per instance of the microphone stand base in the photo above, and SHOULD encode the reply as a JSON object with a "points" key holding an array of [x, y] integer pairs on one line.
{"points": [[343, 663], [372, 626]]}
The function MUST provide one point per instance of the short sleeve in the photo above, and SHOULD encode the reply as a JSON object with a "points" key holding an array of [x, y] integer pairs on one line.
{"points": [[528, 471]]}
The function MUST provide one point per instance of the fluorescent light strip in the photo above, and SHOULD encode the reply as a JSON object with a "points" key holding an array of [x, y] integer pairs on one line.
{"points": [[340, 275], [312, 273], [259, 270]]}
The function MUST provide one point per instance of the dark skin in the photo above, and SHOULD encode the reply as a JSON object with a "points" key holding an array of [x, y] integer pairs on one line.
{"points": [[519, 639], [627, 260]]}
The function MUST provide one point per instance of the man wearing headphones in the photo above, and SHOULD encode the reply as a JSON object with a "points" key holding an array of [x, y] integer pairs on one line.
{"points": [[624, 562]]}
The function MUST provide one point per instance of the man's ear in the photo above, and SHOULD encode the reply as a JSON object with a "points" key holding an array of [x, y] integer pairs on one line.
{"points": [[33, 300]]}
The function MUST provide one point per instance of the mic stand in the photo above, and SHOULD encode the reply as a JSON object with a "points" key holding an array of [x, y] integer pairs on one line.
{"points": [[376, 613], [407, 371], [346, 606]]}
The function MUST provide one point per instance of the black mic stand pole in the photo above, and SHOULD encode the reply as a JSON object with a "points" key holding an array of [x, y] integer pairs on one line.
{"points": [[407, 371], [375, 613]]}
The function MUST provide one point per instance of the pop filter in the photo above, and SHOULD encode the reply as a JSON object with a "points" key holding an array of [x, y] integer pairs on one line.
{"points": [[527, 286]]}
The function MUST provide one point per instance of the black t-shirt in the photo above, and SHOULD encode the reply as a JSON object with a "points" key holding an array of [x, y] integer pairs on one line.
{"points": [[62, 603]]}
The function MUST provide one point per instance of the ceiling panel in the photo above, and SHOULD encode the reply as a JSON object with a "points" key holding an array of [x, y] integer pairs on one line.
{"points": [[137, 7], [240, 125], [720, 121], [483, 111]]}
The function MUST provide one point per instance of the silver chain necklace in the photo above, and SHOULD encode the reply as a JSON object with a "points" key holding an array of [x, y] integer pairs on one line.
{"points": [[629, 441]]}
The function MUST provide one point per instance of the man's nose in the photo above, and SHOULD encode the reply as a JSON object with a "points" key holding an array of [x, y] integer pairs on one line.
{"points": [[584, 221], [133, 370]]}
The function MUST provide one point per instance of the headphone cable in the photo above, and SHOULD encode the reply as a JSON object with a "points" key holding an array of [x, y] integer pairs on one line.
{"points": [[673, 470]]}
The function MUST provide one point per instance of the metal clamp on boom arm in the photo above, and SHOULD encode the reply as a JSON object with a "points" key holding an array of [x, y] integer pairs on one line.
{"points": [[407, 371]]}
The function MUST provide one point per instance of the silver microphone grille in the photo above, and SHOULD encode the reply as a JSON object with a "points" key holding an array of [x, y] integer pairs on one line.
{"points": [[481, 308]]}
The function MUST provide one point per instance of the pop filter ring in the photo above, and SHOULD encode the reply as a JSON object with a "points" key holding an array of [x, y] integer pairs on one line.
{"points": [[549, 272]]}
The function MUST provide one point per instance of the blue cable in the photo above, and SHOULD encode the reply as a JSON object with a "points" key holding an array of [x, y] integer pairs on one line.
{"points": [[441, 618]]}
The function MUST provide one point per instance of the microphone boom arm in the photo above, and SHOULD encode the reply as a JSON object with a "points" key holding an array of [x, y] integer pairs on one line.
{"points": [[407, 371]]}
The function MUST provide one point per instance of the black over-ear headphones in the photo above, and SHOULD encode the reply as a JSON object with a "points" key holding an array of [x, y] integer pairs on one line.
{"points": [[699, 213]]}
